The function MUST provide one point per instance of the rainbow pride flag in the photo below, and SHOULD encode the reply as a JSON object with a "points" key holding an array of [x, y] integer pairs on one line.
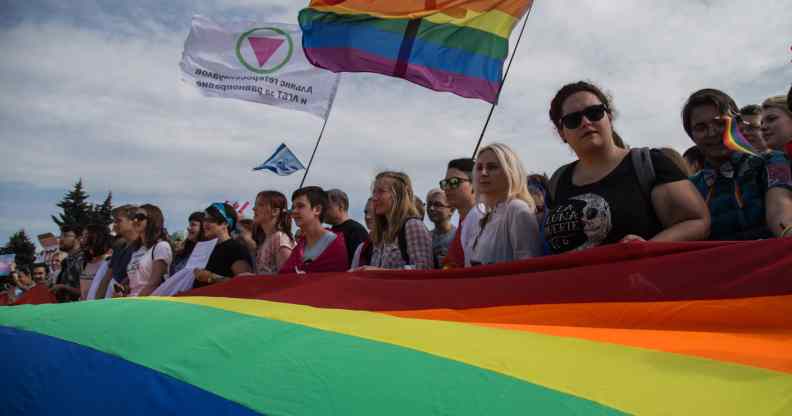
{"points": [[456, 46], [650, 329], [734, 140]]}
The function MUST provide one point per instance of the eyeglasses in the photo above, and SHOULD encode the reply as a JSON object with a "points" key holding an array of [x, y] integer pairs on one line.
{"points": [[139, 217], [749, 127], [452, 183], [593, 113]]}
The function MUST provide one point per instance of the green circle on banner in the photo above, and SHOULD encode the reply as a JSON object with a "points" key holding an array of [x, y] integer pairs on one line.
{"points": [[252, 68]]}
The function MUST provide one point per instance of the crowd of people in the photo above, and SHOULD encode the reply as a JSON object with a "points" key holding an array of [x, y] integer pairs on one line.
{"points": [[611, 194]]}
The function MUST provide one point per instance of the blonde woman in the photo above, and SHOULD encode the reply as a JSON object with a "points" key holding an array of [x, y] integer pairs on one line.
{"points": [[399, 238], [503, 225], [777, 123]]}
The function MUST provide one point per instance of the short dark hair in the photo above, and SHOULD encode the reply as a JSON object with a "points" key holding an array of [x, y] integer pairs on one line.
{"points": [[316, 197], [339, 197], [197, 216], [37, 265], [465, 164], [72, 228], [751, 110], [707, 96], [214, 213]]}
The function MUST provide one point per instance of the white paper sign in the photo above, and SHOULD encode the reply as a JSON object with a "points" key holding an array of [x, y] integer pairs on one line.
{"points": [[183, 280]]}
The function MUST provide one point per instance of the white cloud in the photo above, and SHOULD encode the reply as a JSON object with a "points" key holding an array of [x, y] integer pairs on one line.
{"points": [[106, 104]]}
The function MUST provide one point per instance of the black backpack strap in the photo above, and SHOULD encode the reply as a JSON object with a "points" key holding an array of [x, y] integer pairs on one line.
{"points": [[553, 184], [644, 169]]}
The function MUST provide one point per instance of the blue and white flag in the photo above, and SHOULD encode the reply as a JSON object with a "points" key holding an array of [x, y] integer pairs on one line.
{"points": [[283, 162]]}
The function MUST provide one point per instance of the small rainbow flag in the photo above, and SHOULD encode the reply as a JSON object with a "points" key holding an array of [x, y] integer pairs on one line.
{"points": [[733, 139], [455, 46]]}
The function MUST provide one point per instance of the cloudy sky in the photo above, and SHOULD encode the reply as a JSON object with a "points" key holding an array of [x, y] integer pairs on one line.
{"points": [[91, 90]]}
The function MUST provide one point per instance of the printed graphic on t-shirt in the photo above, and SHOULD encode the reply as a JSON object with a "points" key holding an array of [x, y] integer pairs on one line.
{"points": [[582, 222]]}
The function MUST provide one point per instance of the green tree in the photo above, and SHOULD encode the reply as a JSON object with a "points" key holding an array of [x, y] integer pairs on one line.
{"points": [[76, 209], [20, 244], [102, 214]]}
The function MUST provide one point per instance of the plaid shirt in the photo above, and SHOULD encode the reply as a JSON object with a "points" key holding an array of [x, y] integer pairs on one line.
{"points": [[419, 248], [735, 193], [71, 269]]}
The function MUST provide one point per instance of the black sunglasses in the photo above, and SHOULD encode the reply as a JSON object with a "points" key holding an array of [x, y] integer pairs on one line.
{"points": [[592, 113], [139, 217], [452, 183]]}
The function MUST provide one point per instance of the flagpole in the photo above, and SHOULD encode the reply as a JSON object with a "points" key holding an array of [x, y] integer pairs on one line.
{"points": [[503, 82], [319, 139]]}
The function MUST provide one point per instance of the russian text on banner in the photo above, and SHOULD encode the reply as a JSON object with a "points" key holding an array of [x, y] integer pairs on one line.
{"points": [[458, 46], [259, 62]]}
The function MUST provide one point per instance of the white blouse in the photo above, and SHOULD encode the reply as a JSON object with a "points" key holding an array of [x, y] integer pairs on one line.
{"points": [[510, 233]]}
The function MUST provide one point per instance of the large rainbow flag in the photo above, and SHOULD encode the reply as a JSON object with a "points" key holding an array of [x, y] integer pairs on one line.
{"points": [[651, 329], [454, 45]]}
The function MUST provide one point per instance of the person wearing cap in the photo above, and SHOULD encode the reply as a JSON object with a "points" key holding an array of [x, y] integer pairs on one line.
{"points": [[229, 258]]}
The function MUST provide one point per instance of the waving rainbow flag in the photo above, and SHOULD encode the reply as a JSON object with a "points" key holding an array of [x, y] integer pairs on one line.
{"points": [[734, 140], [455, 45], [650, 329]]}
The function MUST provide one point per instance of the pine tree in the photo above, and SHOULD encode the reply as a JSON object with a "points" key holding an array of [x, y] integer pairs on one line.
{"points": [[103, 214], [20, 244], [76, 211]]}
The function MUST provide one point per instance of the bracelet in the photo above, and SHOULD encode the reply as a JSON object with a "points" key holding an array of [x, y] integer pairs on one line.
{"points": [[210, 280], [786, 231]]}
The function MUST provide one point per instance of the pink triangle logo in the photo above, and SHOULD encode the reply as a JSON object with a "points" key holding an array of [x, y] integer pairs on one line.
{"points": [[264, 48]]}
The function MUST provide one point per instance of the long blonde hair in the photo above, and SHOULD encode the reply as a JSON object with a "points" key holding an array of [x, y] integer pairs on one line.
{"points": [[386, 227], [515, 174]]}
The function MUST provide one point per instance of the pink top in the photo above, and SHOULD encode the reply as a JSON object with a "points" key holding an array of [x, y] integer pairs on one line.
{"points": [[267, 253]]}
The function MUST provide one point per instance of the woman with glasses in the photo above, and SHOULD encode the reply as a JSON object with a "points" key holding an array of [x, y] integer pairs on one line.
{"points": [[149, 264], [229, 258], [458, 188], [611, 194], [748, 196], [505, 229], [399, 239]]}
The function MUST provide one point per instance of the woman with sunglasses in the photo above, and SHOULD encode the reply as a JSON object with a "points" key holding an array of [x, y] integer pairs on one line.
{"points": [[153, 255], [399, 239], [229, 258], [599, 199], [504, 227]]}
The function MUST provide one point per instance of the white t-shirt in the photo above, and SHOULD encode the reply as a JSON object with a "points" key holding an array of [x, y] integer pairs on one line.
{"points": [[142, 263], [511, 233]]}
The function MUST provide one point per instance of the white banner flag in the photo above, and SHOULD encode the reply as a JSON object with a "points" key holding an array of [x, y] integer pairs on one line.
{"points": [[259, 62]]}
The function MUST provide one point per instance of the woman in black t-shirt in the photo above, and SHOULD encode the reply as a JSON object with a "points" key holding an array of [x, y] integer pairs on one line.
{"points": [[599, 199], [230, 257]]}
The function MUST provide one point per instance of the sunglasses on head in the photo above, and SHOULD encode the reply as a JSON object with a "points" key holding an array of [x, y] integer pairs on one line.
{"points": [[593, 113], [452, 183]]}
